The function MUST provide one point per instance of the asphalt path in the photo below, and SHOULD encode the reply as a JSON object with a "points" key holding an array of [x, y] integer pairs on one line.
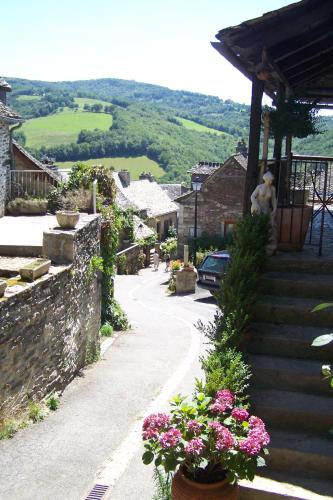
{"points": [[95, 435]]}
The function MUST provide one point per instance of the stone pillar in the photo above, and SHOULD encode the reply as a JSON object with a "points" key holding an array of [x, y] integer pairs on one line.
{"points": [[4, 165]]}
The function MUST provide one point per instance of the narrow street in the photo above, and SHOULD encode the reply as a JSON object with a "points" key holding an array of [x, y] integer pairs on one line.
{"points": [[95, 435]]}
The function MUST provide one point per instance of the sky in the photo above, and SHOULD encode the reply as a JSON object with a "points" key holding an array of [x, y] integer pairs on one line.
{"points": [[153, 41]]}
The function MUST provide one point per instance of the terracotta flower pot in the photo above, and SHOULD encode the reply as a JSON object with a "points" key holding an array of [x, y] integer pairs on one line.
{"points": [[292, 226], [185, 489], [67, 219]]}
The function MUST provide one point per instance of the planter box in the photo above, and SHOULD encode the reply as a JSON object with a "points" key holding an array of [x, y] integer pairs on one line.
{"points": [[3, 286], [292, 226], [186, 280], [67, 219], [35, 269]]}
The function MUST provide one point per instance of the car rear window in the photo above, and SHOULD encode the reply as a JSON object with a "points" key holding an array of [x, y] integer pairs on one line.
{"points": [[216, 264]]}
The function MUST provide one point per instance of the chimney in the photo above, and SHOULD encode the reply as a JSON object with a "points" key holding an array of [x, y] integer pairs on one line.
{"points": [[125, 177], [4, 88], [146, 175], [242, 148]]}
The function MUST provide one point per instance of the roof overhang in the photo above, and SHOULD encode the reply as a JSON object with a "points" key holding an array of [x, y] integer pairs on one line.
{"points": [[292, 46]]}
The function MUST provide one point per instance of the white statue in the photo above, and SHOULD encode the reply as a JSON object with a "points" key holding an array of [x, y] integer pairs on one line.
{"points": [[263, 200]]}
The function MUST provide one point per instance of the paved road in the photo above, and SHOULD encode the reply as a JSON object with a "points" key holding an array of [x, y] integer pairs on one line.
{"points": [[94, 437]]}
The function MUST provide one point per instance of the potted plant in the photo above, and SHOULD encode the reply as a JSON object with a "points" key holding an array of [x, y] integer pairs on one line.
{"points": [[68, 217], [209, 443]]}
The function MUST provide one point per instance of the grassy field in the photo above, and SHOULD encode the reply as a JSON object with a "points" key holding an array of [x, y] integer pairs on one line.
{"points": [[135, 165], [29, 98], [63, 127], [198, 127], [81, 101]]}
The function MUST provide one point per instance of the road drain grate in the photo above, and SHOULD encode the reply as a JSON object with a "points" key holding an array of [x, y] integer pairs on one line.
{"points": [[97, 492]]}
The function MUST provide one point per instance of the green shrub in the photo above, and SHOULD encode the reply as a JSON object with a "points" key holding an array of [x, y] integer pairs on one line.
{"points": [[226, 369], [115, 316], [53, 402], [35, 411], [122, 264], [170, 246], [8, 428], [106, 330]]}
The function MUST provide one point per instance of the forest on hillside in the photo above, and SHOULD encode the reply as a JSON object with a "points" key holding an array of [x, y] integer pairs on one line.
{"points": [[146, 122]]}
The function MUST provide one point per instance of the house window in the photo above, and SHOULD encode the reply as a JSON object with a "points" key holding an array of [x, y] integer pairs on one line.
{"points": [[191, 232], [227, 228]]}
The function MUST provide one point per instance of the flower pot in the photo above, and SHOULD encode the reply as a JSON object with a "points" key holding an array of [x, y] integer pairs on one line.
{"points": [[292, 226], [67, 219], [186, 489], [3, 286]]}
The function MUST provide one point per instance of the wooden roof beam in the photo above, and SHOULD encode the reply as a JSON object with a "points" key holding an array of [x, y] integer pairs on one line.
{"points": [[316, 53], [312, 68], [301, 42]]}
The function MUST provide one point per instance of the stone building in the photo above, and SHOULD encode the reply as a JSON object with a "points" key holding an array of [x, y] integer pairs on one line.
{"points": [[148, 199], [7, 118], [220, 200]]}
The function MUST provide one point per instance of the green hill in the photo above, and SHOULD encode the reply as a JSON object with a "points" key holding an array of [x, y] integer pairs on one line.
{"points": [[135, 165], [173, 128], [63, 127]]}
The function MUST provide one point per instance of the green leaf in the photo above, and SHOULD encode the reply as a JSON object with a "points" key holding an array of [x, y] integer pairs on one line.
{"points": [[245, 424], [325, 305], [158, 461], [261, 462], [322, 340], [147, 457], [200, 396], [331, 384], [265, 450]]}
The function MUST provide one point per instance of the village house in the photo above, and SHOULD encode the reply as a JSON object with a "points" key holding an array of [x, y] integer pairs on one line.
{"points": [[20, 173], [149, 200], [219, 201]]}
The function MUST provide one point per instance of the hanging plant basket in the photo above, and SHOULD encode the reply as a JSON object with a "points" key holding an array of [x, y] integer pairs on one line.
{"points": [[293, 117]]}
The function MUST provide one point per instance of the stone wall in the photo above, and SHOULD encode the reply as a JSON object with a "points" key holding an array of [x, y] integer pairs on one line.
{"points": [[4, 165], [220, 202], [131, 254], [50, 329]]}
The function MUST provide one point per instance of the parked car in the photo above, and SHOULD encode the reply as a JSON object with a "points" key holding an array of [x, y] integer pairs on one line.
{"points": [[212, 269]]}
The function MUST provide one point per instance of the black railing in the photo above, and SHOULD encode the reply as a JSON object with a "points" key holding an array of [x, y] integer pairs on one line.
{"points": [[305, 198]]}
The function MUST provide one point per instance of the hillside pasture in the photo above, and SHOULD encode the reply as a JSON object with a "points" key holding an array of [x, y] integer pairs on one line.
{"points": [[134, 164], [28, 97], [63, 127], [191, 125], [81, 101]]}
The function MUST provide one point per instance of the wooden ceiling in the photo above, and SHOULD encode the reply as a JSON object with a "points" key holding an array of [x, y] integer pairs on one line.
{"points": [[292, 46]]}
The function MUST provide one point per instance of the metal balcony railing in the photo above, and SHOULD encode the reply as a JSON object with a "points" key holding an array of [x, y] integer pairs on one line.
{"points": [[32, 183]]}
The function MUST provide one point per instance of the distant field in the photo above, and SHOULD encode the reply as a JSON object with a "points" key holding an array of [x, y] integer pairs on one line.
{"points": [[29, 98], [81, 101], [63, 127], [198, 127], [135, 165]]}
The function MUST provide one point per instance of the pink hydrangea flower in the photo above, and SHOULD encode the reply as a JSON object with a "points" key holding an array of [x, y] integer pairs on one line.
{"points": [[194, 426], [250, 446], [170, 439], [256, 422], [223, 401], [260, 435], [224, 439], [226, 396], [195, 447], [240, 414], [153, 423]]}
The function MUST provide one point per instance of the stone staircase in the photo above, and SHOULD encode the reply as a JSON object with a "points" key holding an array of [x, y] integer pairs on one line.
{"points": [[288, 392]]}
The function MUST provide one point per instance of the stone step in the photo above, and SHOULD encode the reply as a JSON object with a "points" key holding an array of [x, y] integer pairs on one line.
{"points": [[271, 372], [290, 410], [282, 486], [21, 250], [291, 310], [291, 284], [300, 262], [297, 453], [293, 341]]}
